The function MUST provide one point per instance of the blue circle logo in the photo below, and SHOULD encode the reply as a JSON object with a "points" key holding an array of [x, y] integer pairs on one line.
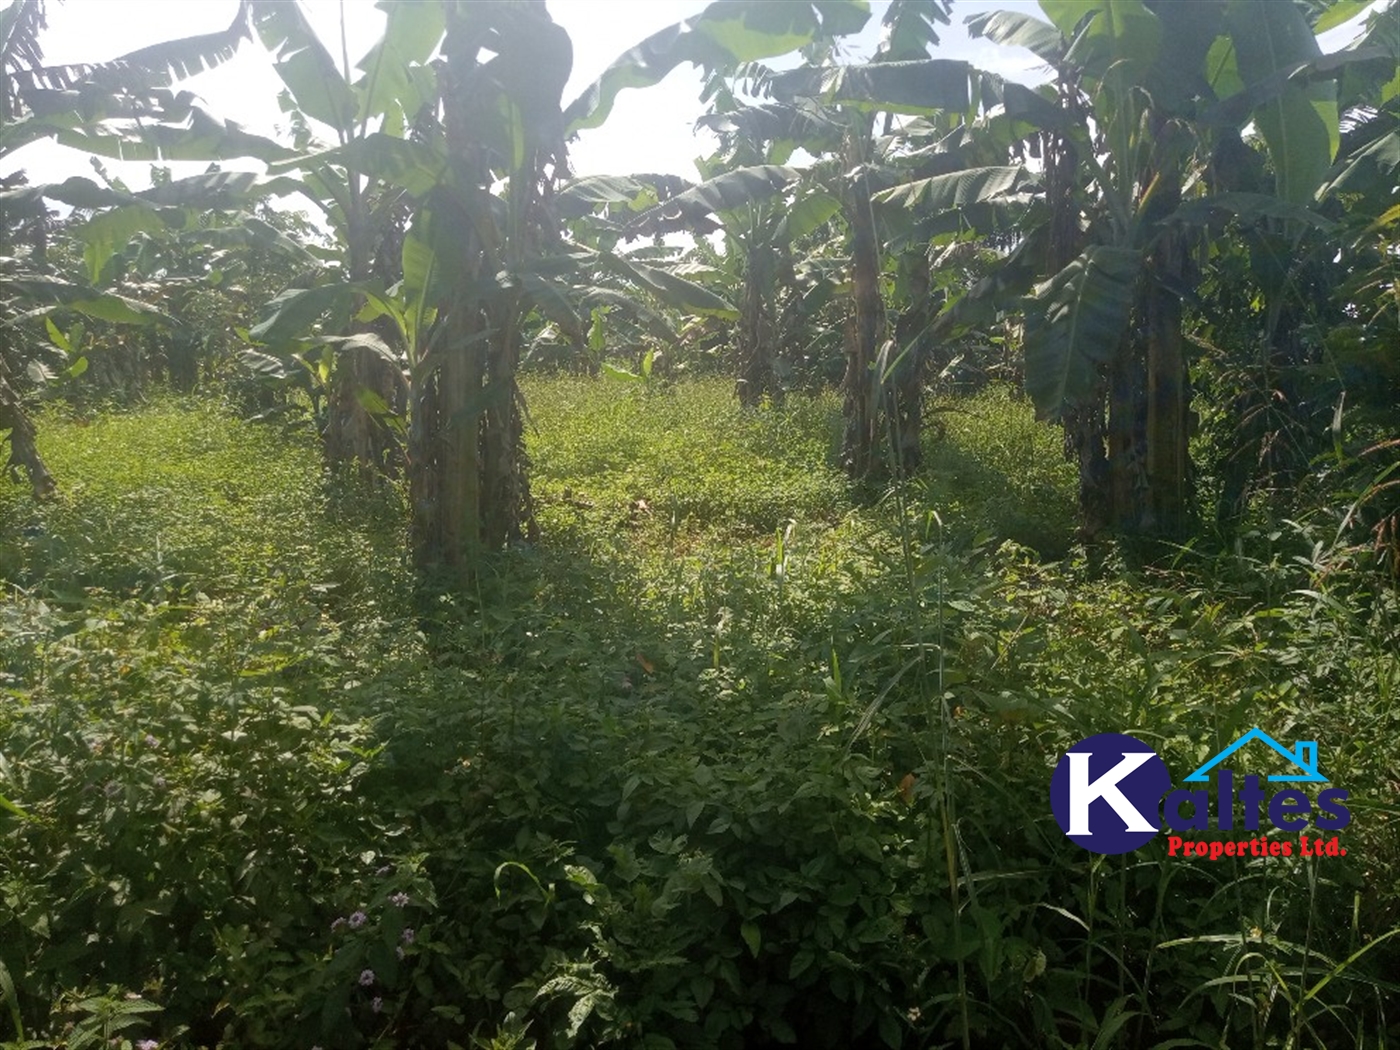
{"points": [[1107, 791]]}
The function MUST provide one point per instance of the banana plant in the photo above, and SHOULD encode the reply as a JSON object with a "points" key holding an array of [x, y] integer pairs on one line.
{"points": [[66, 103], [845, 105], [483, 257], [1148, 97], [763, 209], [369, 113]]}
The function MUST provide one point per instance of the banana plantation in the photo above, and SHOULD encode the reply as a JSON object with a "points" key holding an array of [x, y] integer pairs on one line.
{"points": [[451, 600]]}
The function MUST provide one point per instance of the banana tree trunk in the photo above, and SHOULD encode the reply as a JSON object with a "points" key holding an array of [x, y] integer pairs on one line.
{"points": [[867, 318], [1168, 397], [755, 342], [907, 384], [1126, 439], [24, 452], [469, 488], [363, 390], [506, 509], [1085, 429], [1085, 436]]}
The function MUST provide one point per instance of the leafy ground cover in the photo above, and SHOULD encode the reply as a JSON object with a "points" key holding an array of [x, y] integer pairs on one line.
{"points": [[737, 757]]}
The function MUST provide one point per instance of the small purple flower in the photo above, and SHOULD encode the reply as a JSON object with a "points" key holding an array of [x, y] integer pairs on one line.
{"points": [[150, 742], [358, 919], [337, 924], [408, 935], [147, 1044], [366, 978], [399, 899], [158, 781], [376, 1004]]}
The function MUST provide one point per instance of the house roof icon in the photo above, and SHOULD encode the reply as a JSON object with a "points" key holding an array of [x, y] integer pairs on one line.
{"points": [[1303, 755]]}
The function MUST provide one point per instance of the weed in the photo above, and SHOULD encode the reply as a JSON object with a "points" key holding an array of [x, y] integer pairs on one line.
{"points": [[732, 758]]}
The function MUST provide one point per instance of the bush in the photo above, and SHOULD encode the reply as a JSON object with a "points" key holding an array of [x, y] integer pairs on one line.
{"points": [[769, 770]]}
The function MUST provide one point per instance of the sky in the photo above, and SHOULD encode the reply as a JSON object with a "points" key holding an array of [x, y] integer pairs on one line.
{"points": [[650, 129]]}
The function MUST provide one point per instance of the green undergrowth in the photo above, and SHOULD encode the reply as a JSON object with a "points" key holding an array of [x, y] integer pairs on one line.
{"points": [[736, 757], [179, 493], [989, 462], [681, 460]]}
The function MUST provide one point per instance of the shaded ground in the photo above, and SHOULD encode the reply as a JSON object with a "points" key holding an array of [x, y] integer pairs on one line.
{"points": [[737, 757]]}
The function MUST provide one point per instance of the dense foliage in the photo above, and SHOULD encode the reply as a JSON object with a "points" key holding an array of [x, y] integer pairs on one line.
{"points": [[473, 617], [732, 760]]}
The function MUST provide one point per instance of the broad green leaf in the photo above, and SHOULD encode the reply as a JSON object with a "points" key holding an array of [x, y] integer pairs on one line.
{"points": [[919, 87], [33, 129], [293, 313], [103, 234], [1341, 12], [910, 28], [753, 29], [1017, 29], [552, 298], [1299, 124], [1075, 323], [143, 212], [959, 189], [512, 141], [397, 80], [413, 166], [118, 309], [584, 196], [1022, 104], [419, 290], [187, 133], [303, 63], [358, 341], [786, 125], [734, 189], [219, 190], [722, 36], [614, 372], [53, 293], [1380, 80], [753, 937], [57, 337], [1119, 33], [1188, 32], [670, 289], [1222, 68], [653, 321], [806, 214], [10, 807], [1249, 207], [533, 59], [261, 364], [75, 191], [253, 232], [1379, 159]]}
